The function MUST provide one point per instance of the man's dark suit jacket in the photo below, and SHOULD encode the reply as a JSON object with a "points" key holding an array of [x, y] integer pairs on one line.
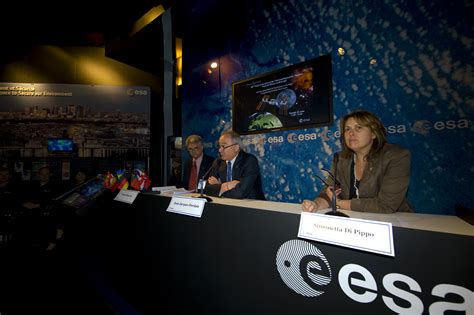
{"points": [[205, 165], [245, 170]]}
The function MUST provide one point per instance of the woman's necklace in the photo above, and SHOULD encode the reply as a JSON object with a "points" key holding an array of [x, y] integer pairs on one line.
{"points": [[359, 167]]}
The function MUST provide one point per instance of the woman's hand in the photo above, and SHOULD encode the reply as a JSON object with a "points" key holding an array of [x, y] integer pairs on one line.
{"points": [[309, 206], [343, 204], [329, 192]]}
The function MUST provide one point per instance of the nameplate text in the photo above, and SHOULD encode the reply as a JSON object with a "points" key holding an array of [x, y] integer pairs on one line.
{"points": [[365, 235], [127, 196], [187, 206]]}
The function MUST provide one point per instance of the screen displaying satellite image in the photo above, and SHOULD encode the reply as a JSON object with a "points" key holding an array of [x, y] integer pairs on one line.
{"points": [[298, 96]]}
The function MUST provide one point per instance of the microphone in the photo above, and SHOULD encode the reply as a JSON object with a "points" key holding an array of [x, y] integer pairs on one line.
{"points": [[202, 180], [213, 166], [335, 185]]}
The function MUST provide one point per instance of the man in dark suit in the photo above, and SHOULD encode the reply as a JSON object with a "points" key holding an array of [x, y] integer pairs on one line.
{"points": [[237, 174], [39, 225], [197, 166], [9, 193]]}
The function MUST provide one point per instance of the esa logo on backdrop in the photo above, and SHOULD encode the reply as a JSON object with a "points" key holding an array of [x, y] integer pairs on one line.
{"points": [[423, 127], [306, 271], [136, 92]]}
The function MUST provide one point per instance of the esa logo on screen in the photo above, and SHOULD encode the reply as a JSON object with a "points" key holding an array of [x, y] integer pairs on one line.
{"points": [[306, 271]]}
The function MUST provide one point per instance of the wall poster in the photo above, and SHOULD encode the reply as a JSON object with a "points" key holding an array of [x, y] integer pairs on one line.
{"points": [[100, 121]]}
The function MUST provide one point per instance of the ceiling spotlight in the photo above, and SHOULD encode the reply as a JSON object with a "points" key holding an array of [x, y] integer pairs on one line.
{"points": [[209, 71], [373, 61], [214, 65], [341, 51]]}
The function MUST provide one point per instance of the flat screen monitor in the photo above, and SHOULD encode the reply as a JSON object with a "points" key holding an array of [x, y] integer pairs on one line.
{"points": [[84, 195], [60, 145], [294, 97]]}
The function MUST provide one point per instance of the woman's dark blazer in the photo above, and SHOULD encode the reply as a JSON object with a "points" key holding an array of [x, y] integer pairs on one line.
{"points": [[384, 184]]}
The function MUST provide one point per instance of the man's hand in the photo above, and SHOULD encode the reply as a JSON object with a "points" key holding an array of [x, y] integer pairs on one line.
{"points": [[213, 181]]}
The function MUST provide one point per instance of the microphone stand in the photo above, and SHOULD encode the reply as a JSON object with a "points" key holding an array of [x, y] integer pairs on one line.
{"points": [[334, 187], [202, 182]]}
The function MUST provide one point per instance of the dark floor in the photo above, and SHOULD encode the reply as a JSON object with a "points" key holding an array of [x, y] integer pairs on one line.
{"points": [[48, 283], [84, 274], [71, 279]]}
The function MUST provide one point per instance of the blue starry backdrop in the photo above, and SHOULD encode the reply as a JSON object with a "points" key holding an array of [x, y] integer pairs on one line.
{"points": [[409, 62]]}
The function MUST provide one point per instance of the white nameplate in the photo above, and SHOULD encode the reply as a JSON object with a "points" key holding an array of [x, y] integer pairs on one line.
{"points": [[163, 188], [127, 196], [366, 235], [187, 206]]}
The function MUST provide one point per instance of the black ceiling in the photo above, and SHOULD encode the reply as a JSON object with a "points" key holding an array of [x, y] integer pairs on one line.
{"points": [[69, 23], [99, 22]]}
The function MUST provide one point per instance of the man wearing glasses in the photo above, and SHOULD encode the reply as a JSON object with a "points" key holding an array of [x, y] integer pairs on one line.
{"points": [[197, 166], [237, 174]]}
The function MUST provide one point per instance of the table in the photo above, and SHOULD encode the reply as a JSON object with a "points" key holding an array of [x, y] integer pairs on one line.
{"points": [[236, 257]]}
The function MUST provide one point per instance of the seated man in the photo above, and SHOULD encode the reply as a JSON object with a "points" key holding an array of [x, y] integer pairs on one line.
{"points": [[239, 177], [40, 225], [197, 166], [9, 205], [8, 191], [41, 192]]}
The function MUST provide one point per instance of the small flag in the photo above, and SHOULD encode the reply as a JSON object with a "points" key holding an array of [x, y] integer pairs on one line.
{"points": [[123, 184], [110, 181], [120, 173], [140, 180]]}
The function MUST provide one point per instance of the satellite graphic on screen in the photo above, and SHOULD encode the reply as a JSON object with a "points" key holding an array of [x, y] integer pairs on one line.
{"points": [[284, 99], [288, 102]]}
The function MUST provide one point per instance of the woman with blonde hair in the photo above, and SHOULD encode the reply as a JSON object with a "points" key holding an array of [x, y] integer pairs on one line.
{"points": [[374, 175]]}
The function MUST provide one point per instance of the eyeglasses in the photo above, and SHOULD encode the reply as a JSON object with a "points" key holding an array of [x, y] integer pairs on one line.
{"points": [[223, 147]]}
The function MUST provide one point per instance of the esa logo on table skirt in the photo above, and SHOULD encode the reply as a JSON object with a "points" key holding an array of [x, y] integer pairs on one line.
{"points": [[304, 269]]}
